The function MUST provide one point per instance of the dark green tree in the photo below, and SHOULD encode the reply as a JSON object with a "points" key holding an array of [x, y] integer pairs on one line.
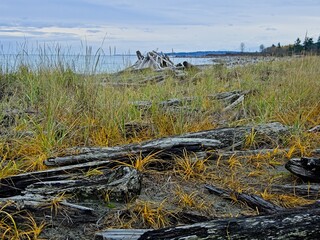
{"points": [[297, 47], [308, 44], [318, 44]]}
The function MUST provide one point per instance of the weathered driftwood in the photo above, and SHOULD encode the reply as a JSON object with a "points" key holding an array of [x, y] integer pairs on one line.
{"points": [[121, 184], [120, 234], [234, 138], [309, 191], [167, 148], [307, 168], [230, 100], [253, 201], [315, 129], [153, 60], [300, 223], [61, 211], [164, 147]]}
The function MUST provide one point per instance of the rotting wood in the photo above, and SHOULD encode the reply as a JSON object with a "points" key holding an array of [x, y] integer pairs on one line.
{"points": [[300, 223], [253, 201], [307, 168]]}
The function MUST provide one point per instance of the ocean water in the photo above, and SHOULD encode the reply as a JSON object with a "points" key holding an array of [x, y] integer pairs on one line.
{"points": [[79, 63]]}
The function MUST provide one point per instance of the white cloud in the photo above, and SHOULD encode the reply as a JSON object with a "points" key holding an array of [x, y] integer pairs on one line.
{"points": [[184, 25]]}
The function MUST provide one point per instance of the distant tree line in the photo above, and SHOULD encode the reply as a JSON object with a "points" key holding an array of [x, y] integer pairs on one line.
{"points": [[308, 46]]}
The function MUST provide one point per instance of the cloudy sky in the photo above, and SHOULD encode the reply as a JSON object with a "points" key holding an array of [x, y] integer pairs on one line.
{"points": [[181, 25]]}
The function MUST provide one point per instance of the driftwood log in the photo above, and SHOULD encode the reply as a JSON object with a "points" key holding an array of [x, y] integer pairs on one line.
{"points": [[167, 148], [57, 196], [122, 183], [153, 60], [307, 168], [229, 99], [300, 223]]}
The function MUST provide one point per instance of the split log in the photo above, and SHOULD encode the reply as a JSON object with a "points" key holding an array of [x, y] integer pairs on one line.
{"points": [[300, 223], [122, 184], [253, 201], [307, 168], [63, 211]]}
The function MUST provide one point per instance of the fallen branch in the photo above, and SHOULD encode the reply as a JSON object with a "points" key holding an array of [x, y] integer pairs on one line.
{"points": [[253, 201]]}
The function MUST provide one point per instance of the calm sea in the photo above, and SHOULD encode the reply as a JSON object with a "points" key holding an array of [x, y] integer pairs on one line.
{"points": [[79, 63]]}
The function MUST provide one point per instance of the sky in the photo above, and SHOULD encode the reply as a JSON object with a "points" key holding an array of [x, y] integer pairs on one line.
{"points": [[180, 25]]}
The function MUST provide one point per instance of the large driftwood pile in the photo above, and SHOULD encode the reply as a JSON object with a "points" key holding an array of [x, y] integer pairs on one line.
{"points": [[160, 65], [94, 173]]}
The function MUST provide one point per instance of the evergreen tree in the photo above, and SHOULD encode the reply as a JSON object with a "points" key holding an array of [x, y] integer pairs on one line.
{"points": [[308, 44], [297, 46]]}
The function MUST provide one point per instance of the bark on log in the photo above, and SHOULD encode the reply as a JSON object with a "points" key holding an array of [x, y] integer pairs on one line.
{"points": [[253, 201], [298, 223], [308, 169]]}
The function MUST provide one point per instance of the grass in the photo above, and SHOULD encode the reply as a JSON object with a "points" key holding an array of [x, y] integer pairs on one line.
{"points": [[59, 108]]}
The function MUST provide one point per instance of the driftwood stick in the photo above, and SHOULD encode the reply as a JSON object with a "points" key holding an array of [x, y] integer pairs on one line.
{"points": [[253, 201], [234, 104]]}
